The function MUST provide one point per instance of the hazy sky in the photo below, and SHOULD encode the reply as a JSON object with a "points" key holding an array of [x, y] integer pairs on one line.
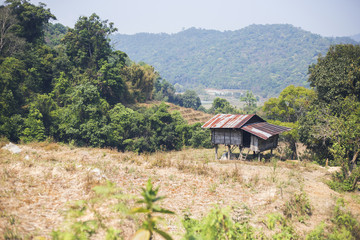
{"points": [[325, 17]]}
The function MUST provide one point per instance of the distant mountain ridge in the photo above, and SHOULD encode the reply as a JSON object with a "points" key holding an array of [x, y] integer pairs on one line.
{"points": [[356, 37], [261, 58]]}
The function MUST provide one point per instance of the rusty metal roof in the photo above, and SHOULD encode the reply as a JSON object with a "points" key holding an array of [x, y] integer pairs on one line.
{"points": [[248, 122], [264, 130], [228, 121]]}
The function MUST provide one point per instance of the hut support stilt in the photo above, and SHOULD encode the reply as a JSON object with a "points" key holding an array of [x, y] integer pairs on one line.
{"points": [[229, 152], [216, 152], [240, 154]]}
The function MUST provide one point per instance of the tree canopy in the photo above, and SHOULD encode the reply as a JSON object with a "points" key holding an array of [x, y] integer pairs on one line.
{"points": [[331, 126], [74, 90]]}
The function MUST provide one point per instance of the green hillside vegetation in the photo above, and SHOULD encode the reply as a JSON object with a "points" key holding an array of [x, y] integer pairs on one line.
{"points": [[69, 85], [261, 58], [326, 118]]}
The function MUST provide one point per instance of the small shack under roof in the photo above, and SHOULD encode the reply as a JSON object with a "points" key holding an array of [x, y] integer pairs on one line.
{"points": [[243, 130]]}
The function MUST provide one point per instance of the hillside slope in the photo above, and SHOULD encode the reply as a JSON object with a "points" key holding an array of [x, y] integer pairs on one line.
{"points": [[261, 58]]}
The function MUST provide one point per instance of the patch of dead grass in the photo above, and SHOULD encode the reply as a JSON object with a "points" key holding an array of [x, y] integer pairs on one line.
{"points": [[35, 191]]}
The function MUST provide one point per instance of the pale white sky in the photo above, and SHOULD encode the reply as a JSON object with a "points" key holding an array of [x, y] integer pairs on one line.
{"points": [[324, 17]]}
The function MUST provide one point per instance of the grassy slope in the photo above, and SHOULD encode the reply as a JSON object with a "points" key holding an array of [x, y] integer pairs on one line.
{"points": [[37, 184]]}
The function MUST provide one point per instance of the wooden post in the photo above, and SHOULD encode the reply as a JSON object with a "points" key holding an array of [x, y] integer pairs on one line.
{"points": [[216, 152], [247, 154], [229, 152], [271, 152], [259, 156], [240, 154]]}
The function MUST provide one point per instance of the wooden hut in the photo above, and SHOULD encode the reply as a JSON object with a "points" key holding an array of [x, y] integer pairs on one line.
{"points": [[245, 131]]}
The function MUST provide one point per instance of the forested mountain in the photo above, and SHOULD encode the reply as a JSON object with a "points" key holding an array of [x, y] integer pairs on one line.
{"points": [[356, 37], [261, 58]]}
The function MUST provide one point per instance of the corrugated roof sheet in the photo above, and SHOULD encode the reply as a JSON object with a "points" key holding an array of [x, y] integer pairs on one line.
{"points": [[260, 128], [227, 121], [264, 130]]}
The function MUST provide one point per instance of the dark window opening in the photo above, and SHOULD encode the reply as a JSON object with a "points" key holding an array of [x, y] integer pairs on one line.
{"points": [[246, 139]]}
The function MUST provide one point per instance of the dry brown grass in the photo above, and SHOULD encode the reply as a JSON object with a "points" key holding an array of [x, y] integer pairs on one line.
{"points": [[36, 190]]}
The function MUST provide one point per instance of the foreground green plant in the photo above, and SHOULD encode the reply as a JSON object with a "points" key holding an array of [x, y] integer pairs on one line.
{"points": [[217, 225], [342, 181], [282, 226], [149, 225], [344, 225], [77, 228], [298, 206]]}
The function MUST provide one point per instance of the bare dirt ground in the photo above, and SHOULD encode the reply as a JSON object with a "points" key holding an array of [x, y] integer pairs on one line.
{"points": [[37, 185]]}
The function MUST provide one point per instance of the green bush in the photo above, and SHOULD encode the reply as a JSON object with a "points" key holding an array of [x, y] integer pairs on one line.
{"points": [[298, 206], [217, 225], [342, 181]]}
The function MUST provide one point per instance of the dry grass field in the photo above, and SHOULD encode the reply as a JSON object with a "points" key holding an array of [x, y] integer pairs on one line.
{"points": [[39, 184]]}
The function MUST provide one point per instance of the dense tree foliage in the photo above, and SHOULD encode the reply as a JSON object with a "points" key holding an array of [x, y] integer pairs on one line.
{"points": [[286, 110], [221, 105], [54, 33], [262, 58], [31, 20], [327, 118], [250, 102], [331, 126], [88, 45], [73, 90]]}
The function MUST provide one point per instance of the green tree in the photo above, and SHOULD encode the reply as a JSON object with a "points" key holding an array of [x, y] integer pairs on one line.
{"points": [[110, 81], [164, 91], [221, 105], [48, 109], [88, 44], [164, 125], [31, 20], [83, 119], [250, 102], [330, 128], [140, 81], [12, 73], [125, 124], [337, 75], [34, 127], [292, 104], [54, 33], [10, 43], [190, 99]]}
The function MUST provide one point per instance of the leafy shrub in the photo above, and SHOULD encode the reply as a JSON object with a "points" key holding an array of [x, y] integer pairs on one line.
{"points": [[217, 225], [34, 127], [151, 209], [285, 231], [342, 181], [298, 206], [201, 138], [346, 226]]}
